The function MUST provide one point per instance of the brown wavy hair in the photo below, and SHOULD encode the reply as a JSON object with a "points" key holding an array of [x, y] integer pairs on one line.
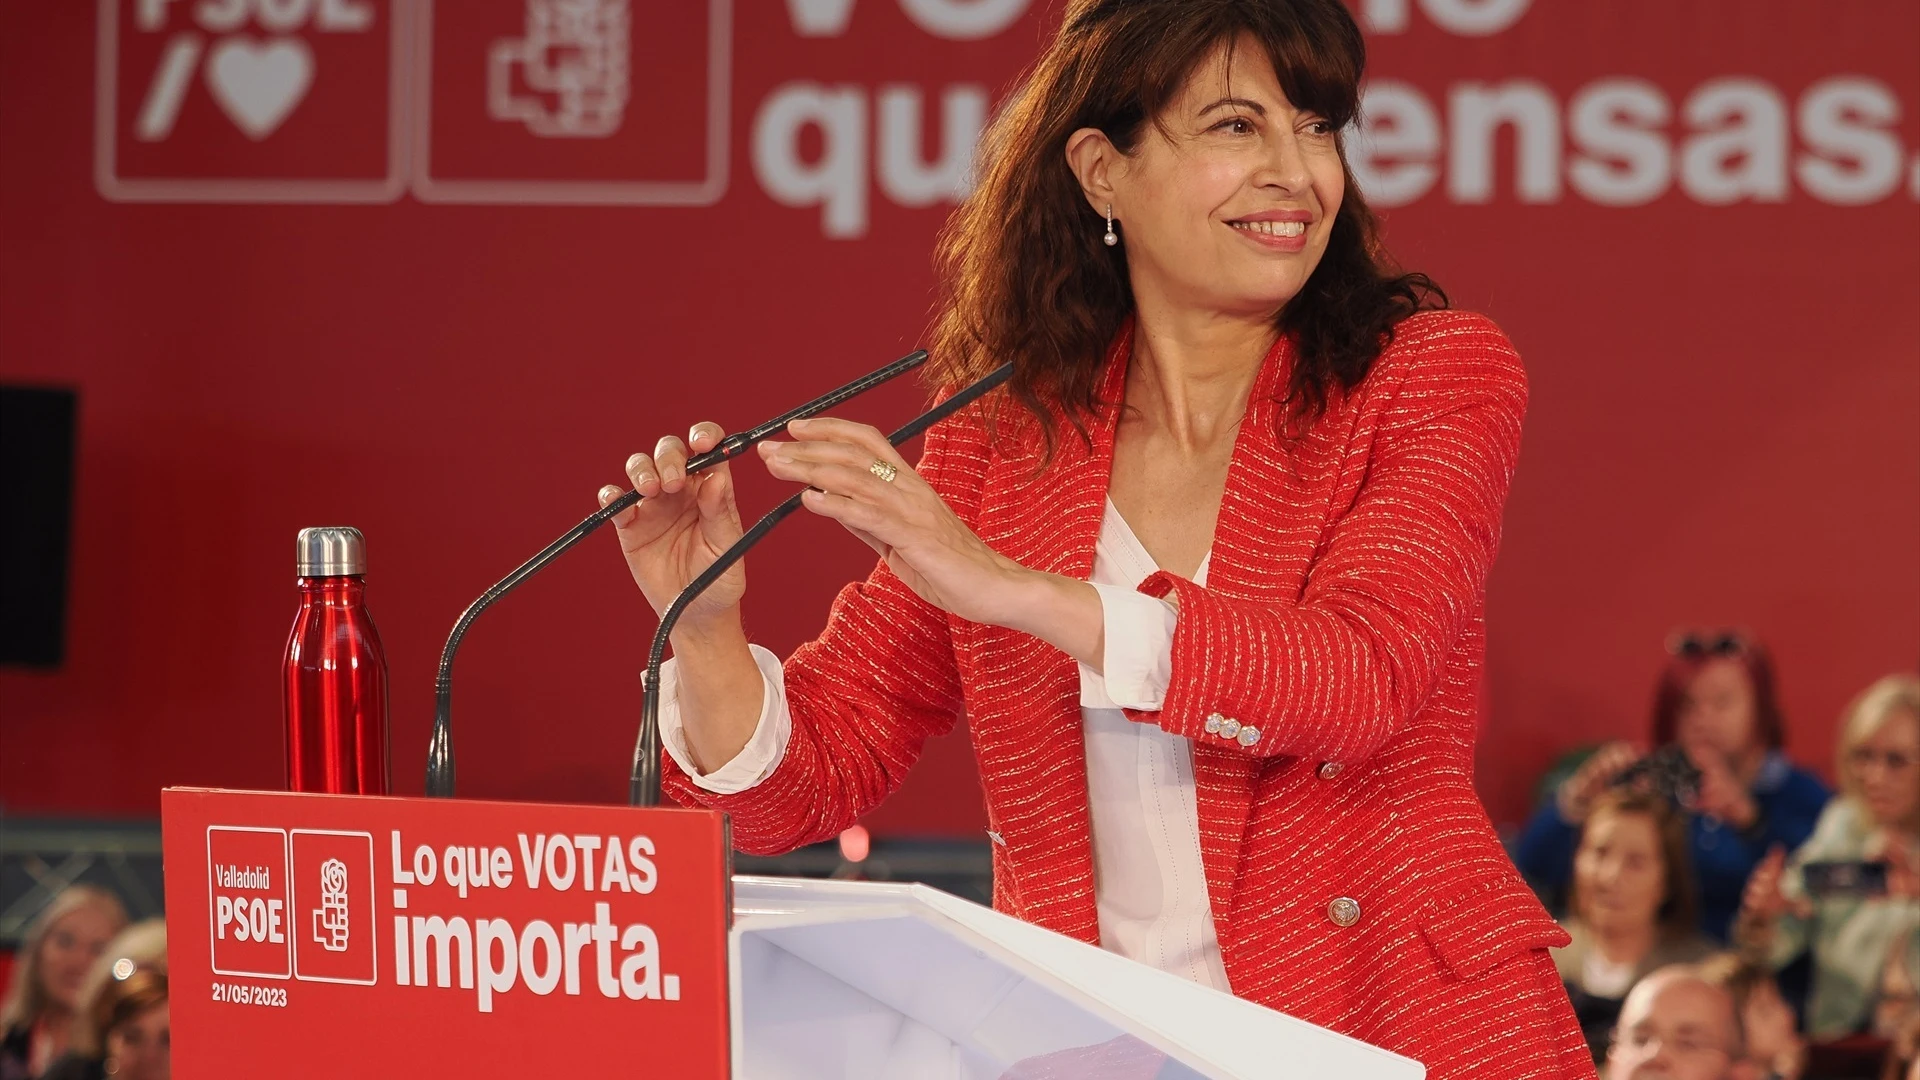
{"points": [[118, 1002], [1024, 274]]}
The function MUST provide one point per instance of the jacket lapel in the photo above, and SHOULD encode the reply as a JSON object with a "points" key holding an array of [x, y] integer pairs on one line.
{"points": [[1027, 728], [1223, 778]]}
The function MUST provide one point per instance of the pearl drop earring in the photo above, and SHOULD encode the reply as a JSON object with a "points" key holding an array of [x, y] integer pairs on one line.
{"points": [[1111, 238]]}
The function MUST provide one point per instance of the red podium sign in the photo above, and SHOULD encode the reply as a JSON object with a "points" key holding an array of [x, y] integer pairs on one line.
{"points": [[324, 936]]}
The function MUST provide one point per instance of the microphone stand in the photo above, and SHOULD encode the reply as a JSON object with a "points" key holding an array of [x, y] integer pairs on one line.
{"points": [[643, 784], [440, 745]]}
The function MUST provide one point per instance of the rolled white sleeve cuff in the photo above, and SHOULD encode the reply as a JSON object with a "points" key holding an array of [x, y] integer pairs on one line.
{"points": [[1137, 659], [756, 760]]}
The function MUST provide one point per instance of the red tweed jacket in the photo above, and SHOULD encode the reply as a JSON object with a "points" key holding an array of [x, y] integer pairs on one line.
{"points": [[1326, 674]]}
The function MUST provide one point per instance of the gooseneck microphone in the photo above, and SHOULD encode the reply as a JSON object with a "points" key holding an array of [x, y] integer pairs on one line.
{"points": [[643, 785], [440, 746]]}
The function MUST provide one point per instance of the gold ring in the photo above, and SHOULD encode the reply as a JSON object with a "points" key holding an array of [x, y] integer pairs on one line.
{"points": [[883, 470]]}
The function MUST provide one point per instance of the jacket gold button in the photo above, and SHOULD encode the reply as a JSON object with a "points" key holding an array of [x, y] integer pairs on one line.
{"points": [[1214, 722], [1229, 728], [1344, 911], [1330, 769]]}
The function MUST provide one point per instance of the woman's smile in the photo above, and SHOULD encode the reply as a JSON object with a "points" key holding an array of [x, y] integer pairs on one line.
{"points": [[1275, 230]]}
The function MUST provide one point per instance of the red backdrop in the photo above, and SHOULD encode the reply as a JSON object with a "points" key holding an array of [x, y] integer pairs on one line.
{"points": [[341, 262]]}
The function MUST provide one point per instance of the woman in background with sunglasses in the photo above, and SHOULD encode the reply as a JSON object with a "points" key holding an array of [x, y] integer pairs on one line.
{"points": [[1714, 712]]}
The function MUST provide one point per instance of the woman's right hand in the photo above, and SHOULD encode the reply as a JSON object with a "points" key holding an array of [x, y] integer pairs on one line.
{"points": [[680, 527], [1594, 776], [1766, 899]]}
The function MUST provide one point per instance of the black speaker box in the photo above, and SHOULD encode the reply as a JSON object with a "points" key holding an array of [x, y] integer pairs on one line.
{"points": [[37, 430]]}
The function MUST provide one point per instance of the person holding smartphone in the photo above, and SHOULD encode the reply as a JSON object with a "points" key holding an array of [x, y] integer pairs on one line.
{"points": [[1850, 894], [1719, 737]]}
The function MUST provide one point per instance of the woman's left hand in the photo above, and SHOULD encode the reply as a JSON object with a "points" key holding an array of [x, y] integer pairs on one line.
{"points": [[903, 519]]}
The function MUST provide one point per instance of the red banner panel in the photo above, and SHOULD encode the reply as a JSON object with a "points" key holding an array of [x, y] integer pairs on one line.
{"points": [[548, 101], [293, 100], [322, 936]]}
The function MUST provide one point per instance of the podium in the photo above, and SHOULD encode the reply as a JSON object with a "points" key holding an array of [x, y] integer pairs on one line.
{"points": [[843, 979], [324, 935]]}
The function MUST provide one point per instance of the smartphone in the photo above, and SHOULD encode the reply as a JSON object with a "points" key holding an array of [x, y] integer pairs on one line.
{"points": [[1835, 879], [1666, 772]]}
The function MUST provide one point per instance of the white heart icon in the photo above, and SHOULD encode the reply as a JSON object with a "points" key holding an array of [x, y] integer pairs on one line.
{"points": [[258, 85]]}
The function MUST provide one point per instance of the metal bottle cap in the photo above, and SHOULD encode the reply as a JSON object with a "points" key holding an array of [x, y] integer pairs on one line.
{"points": [[331, 551]]}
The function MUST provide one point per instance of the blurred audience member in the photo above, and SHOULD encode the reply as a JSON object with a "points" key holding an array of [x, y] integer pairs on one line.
{"points": [[140, 947], [1676, 1026], [1774, 1048], [1850, 894], [1896, 1015], [1896, 1009], [144, 943], [1632, 903], [1903, 1058], [1715, 717], [61, 943], [123, 1031]]}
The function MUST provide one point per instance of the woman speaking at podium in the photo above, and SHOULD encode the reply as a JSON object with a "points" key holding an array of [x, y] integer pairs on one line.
{"points": [[1207, 579]]}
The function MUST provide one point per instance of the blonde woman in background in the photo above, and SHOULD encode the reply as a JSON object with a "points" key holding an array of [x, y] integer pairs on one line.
{"points": [[62, 943], [1876, 819]]}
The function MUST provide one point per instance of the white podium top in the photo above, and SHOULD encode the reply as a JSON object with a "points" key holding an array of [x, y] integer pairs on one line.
{"points": [[855, 979]]}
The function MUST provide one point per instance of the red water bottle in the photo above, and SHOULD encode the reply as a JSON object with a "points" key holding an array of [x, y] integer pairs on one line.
{"points": [[336, 672]]}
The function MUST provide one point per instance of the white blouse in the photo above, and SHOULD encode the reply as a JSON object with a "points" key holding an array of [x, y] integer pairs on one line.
{"points": [[1150, 885]]}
